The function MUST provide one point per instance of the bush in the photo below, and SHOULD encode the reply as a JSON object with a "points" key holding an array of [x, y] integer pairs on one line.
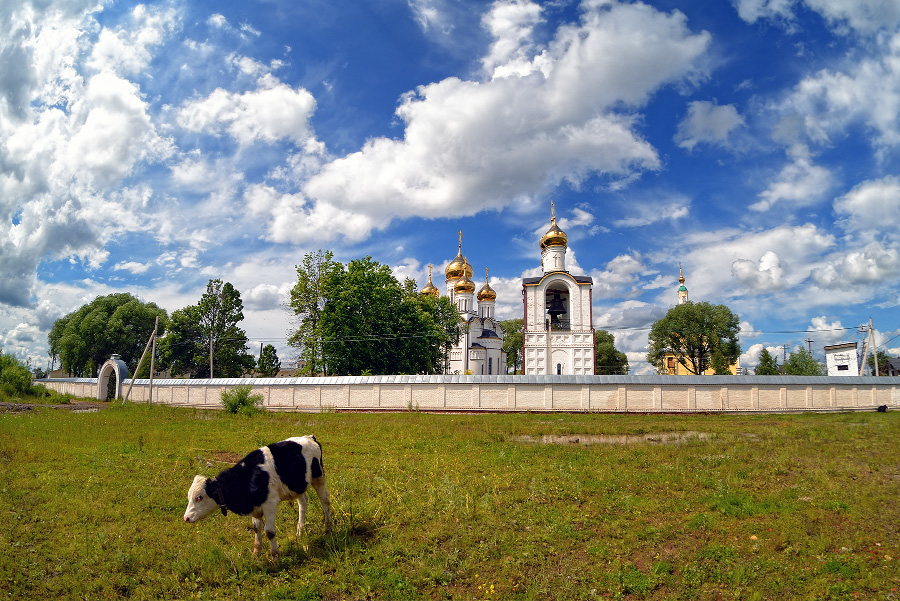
{"points": [[14, 377], [239, 400]]}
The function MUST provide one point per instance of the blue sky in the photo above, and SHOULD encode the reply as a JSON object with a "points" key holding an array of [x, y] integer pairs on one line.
{"points": [[150, 147]]}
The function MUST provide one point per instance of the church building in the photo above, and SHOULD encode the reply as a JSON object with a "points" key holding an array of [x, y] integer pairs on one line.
{"points": [[480, 347], [558, 330]]}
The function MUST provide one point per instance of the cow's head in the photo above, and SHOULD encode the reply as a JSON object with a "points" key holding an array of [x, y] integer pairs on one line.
{"points": [[204, 497]]}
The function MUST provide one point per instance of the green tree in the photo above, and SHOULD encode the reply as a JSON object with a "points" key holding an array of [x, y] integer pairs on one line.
{"points": [[369, 323], [116, 323], [205, 338], [693, 332], [767, 365], [802, 363], [15, 378], [608, 360], [268, 364], [307, 302], [513, 342]]}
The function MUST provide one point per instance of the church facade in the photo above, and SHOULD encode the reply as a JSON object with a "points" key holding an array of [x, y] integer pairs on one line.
{"points": [[558, 332], [479, 350]]}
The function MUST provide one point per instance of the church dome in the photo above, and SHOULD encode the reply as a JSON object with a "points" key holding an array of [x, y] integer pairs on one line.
{"points": [[486, 293], [430, 288], [459, 266], [464, 285], [554, 236]]}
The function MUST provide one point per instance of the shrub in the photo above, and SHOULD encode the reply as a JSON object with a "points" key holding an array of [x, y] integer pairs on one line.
{"points": [[14, 376], [239, 400]]}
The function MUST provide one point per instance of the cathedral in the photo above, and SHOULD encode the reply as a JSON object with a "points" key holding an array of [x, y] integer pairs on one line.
{"points": [[558, 330], [480, 347]]}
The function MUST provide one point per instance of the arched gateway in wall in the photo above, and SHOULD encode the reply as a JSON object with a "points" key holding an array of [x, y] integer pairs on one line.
{"points": [[114, 367]]}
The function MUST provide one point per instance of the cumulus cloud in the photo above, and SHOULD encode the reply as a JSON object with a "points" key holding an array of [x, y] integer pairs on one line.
{"points": [[872, 206], [764, 275], [707, 122], [647, 212], [472, 145], [272, 112], [828, 333], [862, 93], [862, 16], [875, 264], [800, 183]]}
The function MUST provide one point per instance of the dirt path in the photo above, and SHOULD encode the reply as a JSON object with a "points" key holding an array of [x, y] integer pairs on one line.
{"points": [[74, 405]]}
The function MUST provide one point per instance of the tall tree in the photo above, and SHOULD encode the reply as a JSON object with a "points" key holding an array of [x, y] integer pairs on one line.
{"points": [[205, 338], [692, 332], [802, 363], [512, 342], [116, 323], [307, 302], [369, 323], [608, 360], [767, 365], [268, 364]]}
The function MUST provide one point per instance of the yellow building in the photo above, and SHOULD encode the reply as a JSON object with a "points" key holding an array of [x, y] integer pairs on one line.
{"points": [[671, 365]]}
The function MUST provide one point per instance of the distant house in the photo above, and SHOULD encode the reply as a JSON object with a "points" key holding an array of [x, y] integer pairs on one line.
{"points": [[842, 359], [891, 367]]}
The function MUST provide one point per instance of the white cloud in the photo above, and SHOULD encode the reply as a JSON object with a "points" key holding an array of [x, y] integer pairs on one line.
{"points": [[472, 145], [800, 183], [511, 25], [872, 206], [828, 333], [862, 16], [274, 111], [647, 212], [127, 50], [764, 275], [131, 266], [875, 264], [708, 122]]}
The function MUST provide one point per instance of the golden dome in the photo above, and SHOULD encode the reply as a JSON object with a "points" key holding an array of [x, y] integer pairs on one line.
{"points": [[464, 285], [430, 288], [486, 293], [458, 267], [554, 236]]}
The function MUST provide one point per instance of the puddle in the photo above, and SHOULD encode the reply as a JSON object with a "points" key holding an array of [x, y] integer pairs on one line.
{"points": [[614, 439]]}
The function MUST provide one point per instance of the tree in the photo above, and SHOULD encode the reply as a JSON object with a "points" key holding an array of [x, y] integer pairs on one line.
{"points": [[116, 323], [693, 332], [307, 302], [369, 323], [767, 365], [513, 342], [205, 339], [608, 360], [268, 364], [802, 363]]}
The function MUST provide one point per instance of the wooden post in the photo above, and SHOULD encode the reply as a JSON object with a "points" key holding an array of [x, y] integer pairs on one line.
{"points": [[152, 360]]}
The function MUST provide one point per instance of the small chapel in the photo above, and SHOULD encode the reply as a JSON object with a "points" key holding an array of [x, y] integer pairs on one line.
{"points": [[479, 350], [558, 330]]}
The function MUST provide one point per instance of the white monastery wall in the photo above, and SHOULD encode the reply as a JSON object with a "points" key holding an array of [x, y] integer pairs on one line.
{"points": [[656, 394]]}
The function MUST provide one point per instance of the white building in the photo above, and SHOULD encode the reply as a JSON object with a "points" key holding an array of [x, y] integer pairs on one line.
{"points": [[558, 331], [842, 359], [480, 347]]}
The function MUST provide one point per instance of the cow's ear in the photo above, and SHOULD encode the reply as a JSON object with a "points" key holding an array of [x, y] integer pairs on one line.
{"points": [[212, 489]]}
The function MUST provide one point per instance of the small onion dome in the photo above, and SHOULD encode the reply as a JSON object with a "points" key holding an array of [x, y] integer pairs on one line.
{"points": [[464, 285], [554, 236], [430, 288], [681, 280], [486, 293]]}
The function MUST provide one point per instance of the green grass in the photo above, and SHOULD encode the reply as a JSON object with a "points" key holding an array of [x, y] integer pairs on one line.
{"points": [[452, 507]]}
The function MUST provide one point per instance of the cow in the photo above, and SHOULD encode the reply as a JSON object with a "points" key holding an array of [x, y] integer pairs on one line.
{"points": [[256, 485]]}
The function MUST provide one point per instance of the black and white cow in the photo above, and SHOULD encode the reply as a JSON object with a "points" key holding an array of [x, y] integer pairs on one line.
{"points": [[255, 486]]}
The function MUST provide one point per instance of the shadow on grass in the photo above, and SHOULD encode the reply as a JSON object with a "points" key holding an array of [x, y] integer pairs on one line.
{"points": [[325, 547]]}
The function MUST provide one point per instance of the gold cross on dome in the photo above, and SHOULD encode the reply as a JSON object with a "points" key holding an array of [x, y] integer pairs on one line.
{"points": [[460, 239], [552, 211]]}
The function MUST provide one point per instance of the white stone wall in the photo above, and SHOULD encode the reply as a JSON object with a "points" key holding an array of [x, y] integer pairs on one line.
{"points": [[524, 393]]}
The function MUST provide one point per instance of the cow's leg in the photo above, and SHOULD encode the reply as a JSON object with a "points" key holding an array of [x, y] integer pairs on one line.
{"points": [[302, 502], [324, 499], [270, 531], [257, 529]]}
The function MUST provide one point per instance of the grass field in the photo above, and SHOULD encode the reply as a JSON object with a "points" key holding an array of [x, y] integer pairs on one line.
{"points": [[460, 507]]}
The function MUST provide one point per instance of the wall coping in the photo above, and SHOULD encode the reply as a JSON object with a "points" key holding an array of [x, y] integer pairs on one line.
{"points": [[585, 380]]}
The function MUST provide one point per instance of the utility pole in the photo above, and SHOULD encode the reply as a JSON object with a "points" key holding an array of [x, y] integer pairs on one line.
{"points": [[784, 353], [870, 340], [809, 344], [152, 361]]}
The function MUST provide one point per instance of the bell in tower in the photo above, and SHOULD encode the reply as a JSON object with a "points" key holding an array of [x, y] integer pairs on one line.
{"points": [[556, 308]]}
